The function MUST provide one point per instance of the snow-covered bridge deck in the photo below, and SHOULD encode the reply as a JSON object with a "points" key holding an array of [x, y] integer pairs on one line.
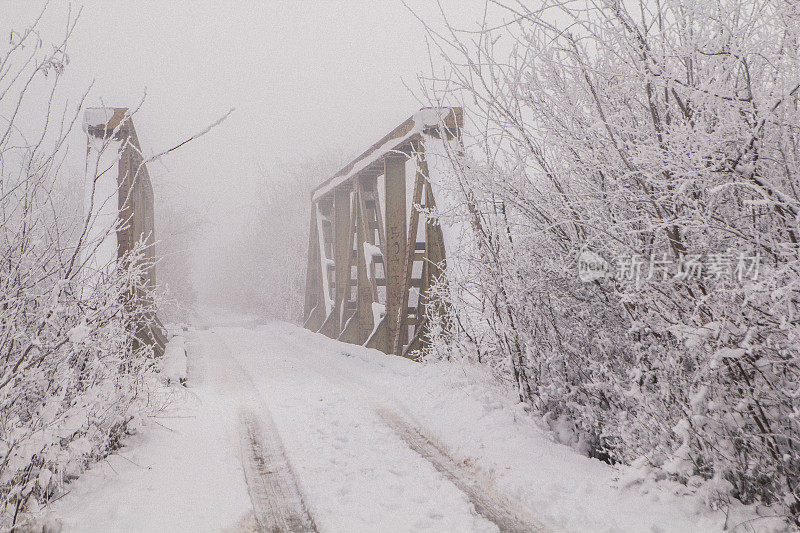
{"points": [[360, 441]]}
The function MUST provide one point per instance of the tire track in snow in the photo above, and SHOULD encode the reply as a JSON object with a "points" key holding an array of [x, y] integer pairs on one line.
{"points": [[490, 505], [277, 503]]}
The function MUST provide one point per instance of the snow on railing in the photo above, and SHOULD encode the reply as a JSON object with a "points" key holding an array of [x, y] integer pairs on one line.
{"points": [[381, 213]]}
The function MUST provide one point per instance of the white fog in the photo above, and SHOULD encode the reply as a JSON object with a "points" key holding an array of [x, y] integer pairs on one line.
{"points": [[399, 265]]}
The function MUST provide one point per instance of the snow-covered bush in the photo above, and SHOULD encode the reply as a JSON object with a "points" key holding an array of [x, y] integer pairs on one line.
{"points": [[661, 144], [72, 370]]}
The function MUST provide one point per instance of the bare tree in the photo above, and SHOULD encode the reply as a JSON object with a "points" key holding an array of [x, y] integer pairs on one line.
{"points": [[660, 140], [72, 372]]}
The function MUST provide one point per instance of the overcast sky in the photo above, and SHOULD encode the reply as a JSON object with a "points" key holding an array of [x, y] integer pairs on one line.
{"points": [[304, 76], [307, 78]]}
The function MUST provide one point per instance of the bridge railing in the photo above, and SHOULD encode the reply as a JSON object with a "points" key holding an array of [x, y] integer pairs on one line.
{"points": [[373, 252], [130, 201]]}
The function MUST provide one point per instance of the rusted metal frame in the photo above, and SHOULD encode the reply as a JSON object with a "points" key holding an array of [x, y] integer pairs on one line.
{"points": [[311, 278], [349, 332], [323, 259], [341, 244], [366, 292], [367, 235], [399, 133], [410, 252], [402, 134], [125, 201], [381, 244], [380, 239], [313, 313], [432, 232], [315, 318], [135, 216], [415, 344], [434, 247], [366, 167], [393, 260], [417, 341], [328, 298], [434, 252], [433, 265], [331, 326], [350, 321], [425, 264], [353, 201]]}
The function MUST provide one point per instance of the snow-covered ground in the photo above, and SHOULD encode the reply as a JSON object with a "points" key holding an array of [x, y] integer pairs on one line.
{"points": [[342, 414], [179, 473]]}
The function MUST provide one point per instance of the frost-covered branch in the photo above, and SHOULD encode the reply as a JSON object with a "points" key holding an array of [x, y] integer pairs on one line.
{"points": [[665, 143]]}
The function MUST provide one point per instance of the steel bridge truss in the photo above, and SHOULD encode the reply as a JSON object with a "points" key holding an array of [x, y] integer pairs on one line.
{"points": [[373, 250]]}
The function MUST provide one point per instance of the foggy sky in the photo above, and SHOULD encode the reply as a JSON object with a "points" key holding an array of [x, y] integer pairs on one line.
{"points": [[306, 78]]}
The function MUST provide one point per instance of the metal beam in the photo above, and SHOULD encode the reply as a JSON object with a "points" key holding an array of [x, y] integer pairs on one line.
{"points": [[347, 216], [409, 253], [367, 289], [342, 246], [395, 183], [314, 310], [435, 121]]}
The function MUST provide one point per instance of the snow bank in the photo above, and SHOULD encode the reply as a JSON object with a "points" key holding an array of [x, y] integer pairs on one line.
{"points": [[180, 472], [481, 423], [173, 364]]}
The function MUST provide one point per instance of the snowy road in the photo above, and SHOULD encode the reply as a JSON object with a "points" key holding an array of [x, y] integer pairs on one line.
{"points": [[284, 430], [358, 462]]}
